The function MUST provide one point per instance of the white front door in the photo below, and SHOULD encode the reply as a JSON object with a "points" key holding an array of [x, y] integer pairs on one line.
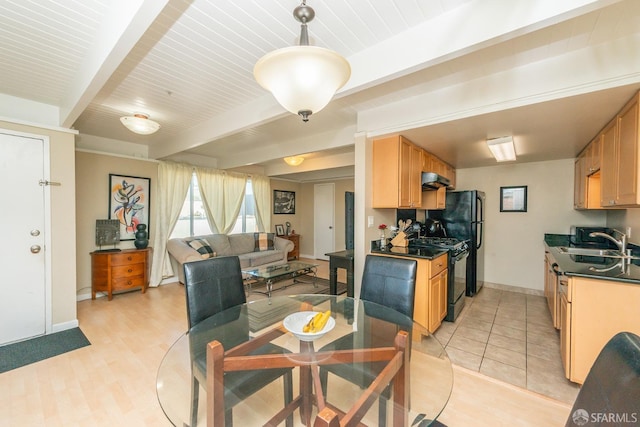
{"points": [[323, 220], [22, 222]]}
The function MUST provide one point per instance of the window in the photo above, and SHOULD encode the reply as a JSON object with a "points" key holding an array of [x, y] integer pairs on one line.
{"points": [[246, 222], [193, 218]]}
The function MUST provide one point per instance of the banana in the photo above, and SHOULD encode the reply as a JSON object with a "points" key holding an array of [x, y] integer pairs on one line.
{"points": [[319, 325], [310, 326]]}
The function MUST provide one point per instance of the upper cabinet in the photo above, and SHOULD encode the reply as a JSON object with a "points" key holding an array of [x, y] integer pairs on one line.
{"points": [[397, 175], [606, 172]]}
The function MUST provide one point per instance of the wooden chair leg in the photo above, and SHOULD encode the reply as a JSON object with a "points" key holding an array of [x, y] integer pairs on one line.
{"points": [[195, 398], [401, 385], [215, 385]]}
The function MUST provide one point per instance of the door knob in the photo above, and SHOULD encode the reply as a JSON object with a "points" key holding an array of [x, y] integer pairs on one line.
{"points": [[35, 233], [35, 249], [330, 227]]}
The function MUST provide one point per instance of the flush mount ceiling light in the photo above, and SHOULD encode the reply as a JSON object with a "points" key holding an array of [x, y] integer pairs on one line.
{"points": [[140, 123], [294, 160], [303, 78], [502, 148]]}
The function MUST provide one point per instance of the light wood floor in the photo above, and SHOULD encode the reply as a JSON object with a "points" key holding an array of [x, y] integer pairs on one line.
{"points": [[112, 381]]}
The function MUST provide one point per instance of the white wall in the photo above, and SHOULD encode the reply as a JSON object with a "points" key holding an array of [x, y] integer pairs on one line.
{"points": [[514, 248]]}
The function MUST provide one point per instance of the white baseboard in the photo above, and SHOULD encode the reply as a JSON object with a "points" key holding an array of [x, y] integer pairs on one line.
{"points": [[511, 288], [87, 295], [65, 325]]}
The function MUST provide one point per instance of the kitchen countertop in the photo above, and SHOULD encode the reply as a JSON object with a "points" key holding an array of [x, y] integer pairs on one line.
{"points": [[591, 267]]}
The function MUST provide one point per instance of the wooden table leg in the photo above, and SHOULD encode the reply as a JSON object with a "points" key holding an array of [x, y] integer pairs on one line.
{"points": [[306, 386]]}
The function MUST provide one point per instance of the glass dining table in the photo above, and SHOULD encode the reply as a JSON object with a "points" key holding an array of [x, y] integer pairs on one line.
{"points": [[418, 370]]}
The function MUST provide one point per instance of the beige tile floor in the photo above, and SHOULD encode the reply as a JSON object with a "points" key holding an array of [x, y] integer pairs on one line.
{"points": [[509, 336]]}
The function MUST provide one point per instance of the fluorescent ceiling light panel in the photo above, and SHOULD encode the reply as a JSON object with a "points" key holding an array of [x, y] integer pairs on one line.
{"points": [[502, 148]]}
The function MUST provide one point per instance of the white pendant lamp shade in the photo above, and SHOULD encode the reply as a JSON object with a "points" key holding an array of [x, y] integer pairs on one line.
{"points": [[140, 123], [302, 78]]}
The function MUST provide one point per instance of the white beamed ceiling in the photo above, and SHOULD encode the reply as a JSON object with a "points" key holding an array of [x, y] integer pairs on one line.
{"points": [[447, 73]]}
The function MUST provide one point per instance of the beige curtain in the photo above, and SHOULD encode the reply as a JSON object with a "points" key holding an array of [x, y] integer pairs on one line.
{"points": [[235, 185], [211, 183], [222, 194], [262, 195], [173, 183]]}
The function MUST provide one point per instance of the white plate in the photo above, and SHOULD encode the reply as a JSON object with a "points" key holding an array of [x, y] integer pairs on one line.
{"points": [[296, 321]]}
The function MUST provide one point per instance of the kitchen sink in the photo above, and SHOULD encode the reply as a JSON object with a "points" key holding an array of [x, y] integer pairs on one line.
{"points": [[610, 253]]}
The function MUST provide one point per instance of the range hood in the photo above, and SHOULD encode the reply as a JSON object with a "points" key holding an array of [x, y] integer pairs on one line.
{"points": [[433, 181]]}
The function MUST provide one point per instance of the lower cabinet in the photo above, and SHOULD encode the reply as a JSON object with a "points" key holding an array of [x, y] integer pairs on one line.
{"points": [[592, 312], [295, 253], [430, 301]]}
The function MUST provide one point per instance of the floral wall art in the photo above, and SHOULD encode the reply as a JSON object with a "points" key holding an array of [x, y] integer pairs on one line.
{"points": [[129, 203]]}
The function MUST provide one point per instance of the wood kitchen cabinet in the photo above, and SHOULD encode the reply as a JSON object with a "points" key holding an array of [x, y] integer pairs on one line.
{"points": [[430, 301], [397, 173], [592, 311], [580, 183], [551, 288], [119, 271], [619, 164]]}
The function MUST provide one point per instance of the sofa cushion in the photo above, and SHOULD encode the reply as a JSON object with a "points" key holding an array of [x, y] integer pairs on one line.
{"points": [[220, 244], [241, 243], [202, 246], [263, 242], [257, 259]]}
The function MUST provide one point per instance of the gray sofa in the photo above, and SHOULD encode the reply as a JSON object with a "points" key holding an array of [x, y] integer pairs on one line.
{"points": [[243, 245]]}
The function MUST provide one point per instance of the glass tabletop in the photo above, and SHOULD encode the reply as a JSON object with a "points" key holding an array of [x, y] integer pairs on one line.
{"points": [[358, 325], [273, 271]]}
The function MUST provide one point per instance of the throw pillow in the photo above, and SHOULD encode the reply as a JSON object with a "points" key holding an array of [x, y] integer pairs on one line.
{"points": [[202, 246], [264, 242]]}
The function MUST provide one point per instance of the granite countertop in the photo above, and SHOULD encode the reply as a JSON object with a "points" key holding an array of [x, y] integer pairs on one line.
{"points": [[589, 266]]}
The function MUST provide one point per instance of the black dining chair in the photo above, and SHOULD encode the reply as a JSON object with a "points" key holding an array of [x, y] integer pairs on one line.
{"points": [[212, 286], [389, 282], [612, 385]]}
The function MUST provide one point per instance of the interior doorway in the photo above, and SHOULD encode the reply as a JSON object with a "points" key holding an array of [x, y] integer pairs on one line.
{"points": [[23, 306], [323, 220]]}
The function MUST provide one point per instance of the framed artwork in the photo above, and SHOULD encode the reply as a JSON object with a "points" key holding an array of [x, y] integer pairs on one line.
{"points": [[513, 199], [284, 202], [279, 230], [129, 203]]}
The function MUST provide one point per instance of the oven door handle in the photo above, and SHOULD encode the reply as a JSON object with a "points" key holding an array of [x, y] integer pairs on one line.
{"points": [[460, 256]]}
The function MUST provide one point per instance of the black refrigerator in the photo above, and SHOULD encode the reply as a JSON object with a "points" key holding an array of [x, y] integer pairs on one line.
{"points": [[463, 218]]}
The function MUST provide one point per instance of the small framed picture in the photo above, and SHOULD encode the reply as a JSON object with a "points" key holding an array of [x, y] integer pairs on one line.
{"points": [[513, 199], [279, 230]]}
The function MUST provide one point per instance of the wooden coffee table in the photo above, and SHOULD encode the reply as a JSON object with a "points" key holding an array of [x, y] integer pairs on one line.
{"points": [[269, 274]]}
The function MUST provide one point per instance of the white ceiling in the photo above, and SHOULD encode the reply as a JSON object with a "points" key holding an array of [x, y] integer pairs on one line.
{"points": [[446, 73]]}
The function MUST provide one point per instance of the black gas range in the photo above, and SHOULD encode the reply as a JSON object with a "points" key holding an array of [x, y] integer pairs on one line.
{"points": [[458, 251]]}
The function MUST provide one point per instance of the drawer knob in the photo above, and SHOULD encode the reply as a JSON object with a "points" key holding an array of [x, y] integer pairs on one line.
{"points": [[129, 282], [129, 270], [129, 258]]}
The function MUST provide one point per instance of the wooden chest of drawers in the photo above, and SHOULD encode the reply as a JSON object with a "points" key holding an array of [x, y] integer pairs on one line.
{"points": [[295, 253], [117, 271]]}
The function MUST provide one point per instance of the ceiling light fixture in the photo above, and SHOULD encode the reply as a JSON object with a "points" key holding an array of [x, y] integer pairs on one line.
{"points": [[502, 148], [140, 123], [294, 160], [303, 78]]}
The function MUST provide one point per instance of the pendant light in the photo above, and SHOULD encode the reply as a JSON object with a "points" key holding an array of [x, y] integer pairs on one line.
{"points": [[303, 78], [140, 123]]}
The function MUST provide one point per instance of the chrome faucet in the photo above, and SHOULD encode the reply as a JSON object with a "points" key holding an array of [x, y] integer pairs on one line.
{"points": [[621, 244]]}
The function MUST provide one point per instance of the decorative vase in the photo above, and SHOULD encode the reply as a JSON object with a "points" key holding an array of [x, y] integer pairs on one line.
{"points": [[141, 241]]}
